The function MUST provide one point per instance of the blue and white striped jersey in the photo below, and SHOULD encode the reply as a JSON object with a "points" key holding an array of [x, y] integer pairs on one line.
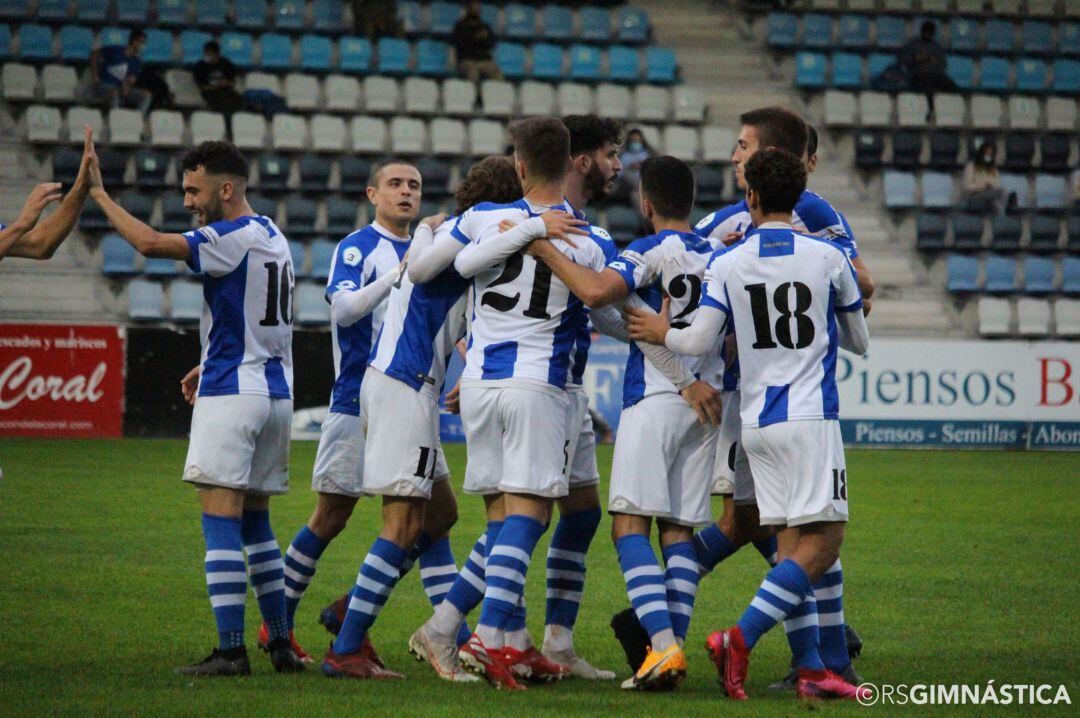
{"points": [[671, 262], [579, 353], [422, 324], [525, 321], [246, 324], [781, 290], [360, 259]]}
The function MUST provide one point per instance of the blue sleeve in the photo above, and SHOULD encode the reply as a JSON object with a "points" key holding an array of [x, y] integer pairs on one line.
{"points": [[347, 271]]}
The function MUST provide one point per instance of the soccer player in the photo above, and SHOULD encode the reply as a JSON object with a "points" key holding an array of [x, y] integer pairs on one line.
{"points": [[663, 454], [239, 452], [792, 299], [28, 238]]}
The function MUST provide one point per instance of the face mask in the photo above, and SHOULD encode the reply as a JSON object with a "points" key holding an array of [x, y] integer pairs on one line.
{"points": [[634, 146]]}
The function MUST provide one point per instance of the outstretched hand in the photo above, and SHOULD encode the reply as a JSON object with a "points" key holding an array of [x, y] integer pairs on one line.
{"points": [[39, 198], [89, 171]]}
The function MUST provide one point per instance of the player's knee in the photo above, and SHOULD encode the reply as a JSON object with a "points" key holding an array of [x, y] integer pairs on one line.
{"points": [[404, 529], [329, 521]]}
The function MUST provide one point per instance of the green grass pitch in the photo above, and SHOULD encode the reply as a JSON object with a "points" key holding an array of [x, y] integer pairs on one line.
{"points": [[959, 569]]}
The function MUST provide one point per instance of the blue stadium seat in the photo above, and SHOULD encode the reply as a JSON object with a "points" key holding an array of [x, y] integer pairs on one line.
{"points": [[961, 70], [191, 45], [289, 15], [113, 35], [624, 64], [185, 301], [1054, 151], [1018, 184], [1038, 275], [1000, 274], [846, 70], [93, 12], [1066, 77], [14, 11], [585, 63], [930, 231], [1006, 231], [817, 31], [1036, 38], [146, 300], [160, 267], [810, 70], [316, 53], [444, 15], [322, 252], [1051, 191], [355, 54], [210, 13], [1069, 39], [310, 305], [511, 60], [594, 24], [76, 43], [994, 74], [296, 251], [782, 30], [906, 149], [869, 147], [1000, 37], [876, 63], [963, 35], [5, 41], [410, 17], [393, 56], [937, 190], [520, 21], [854, 32], [633, 25], [173, 13], [557, 23], [963, 274], [891, 32], [661, 66], [432, 58], [159, 47], [1070, 275], [326, 15], [133, 12], [276, 51], [1031, 75], [899, 189], [118, 258], [239, 48], [250, 15], [547, 61], [967, 231], [35, 42]]}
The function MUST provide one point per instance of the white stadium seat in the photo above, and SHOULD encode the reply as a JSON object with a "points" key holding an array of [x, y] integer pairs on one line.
{"points": [[1033, 317], [652, 103], [498, 98], [79, 117], [125, 126], [262, 81], [43, 123], [421, 96], [182, 85], [717, 143], [458, 96], [248, 130], [911, 109], [612, 100], [689, 104], [840, 109], [1023, 113], [985, 112], [949, 111], [682, 142], [368, 134], [537, 98], [301, 91], [1067, 317], [342, 93], [380, 94], [1061, 113], [575, 99], [486, 137], [875, 109], [20, 82], [448, 136], [995, 317], [166, 128], [328, 133], [289, 132], [408, 136], [206, 126], [60, 83]]}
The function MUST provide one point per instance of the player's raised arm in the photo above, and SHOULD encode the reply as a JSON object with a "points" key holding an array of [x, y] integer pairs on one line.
{"points": [[350, 305], [428, 256], [14, 234], [477, 256]]}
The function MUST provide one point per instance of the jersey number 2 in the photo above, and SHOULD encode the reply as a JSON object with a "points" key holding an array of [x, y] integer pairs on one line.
{"points": [[759, 308], [278, 294], [541, 288]]}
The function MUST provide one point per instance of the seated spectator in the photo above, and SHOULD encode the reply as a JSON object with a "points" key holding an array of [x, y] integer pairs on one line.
{"points": [[635, 151], [980, 186], [114, 72], [375, 18], [215, 76], [475, 42], [923, 61]]}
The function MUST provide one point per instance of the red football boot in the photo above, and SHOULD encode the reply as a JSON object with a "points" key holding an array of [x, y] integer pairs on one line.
{"points": [[729, 653], [826, 685], [533, 666], [264, 643], [489, 665], [355, 665]]}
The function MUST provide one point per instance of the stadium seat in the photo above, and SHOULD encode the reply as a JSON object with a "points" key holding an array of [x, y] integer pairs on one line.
{"points": [[1054, 151], [1000, 37], [300, 214], [574, 99], [709, 185], [314, 173], [907, 149], [949, 111], [854, 32], [322, 253], [160, 267], [458, 97], [66, 162], [173, 13], [93, 219], [682, 142], [652, 103], [444, 15], [912, 109], [510, 58], [930, 232], [689, 104], [206, 126], [537, 98], [899, 189], [238, 48], [1036, 38], [967, 231], [556, 23], [276, 52], [354, 173], [174, 216], [624, 64], [1023, 113], [1019, 152], [420, 96], [961, 70], [995, 317], [585, 63], [289, 15], [1069, 39], [963, 35], [393, 56], [1039, 274], [632, 25], [613, 100], [1033, 317], [20, 82], [1072, 233], [986, 112], [547, 62], [210, 13], [248, 130], [944, 150], [869, 147], [486, 138], [159, 47], [273, 173], [1000, 275], [1051, 192], [119, 259], [166, 128], [891, 32], [326, 16], [520, 21], [877, 63], [995, 75], [661, 66], [92, 12], [35, 42], [368, 135], [875, 109], [1067, 318], [309, 305], [125, 126], [846, 70], [498, 97], [1018, 184], [341, 215], [1031, 75], [51, 11], [594, 24], [263, 81], [436, 174], [354, 54], [1066, 77], [408, 136], [250, 15], [114, 167], [1070, 275], [146, 300], [810, 70], [937, 190], [301, 91], [817, 31], [432, 58], [410, 17], [622, 223], [1005, 233], [840, 109], [316, 53], [264, 206], [717, 143], [185, 301], [191, 45], [79, 117], [43, 123], [76, 43], [380, 94], [782, 30], [447, 136], [113, 35], [963, 274]]}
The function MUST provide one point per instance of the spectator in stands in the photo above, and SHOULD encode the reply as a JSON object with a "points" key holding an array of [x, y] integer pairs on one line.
{"points": [[923, 61], [114, 72], [635, 151], [474, 41], [375, 18], [215, 76], [980, 186]]}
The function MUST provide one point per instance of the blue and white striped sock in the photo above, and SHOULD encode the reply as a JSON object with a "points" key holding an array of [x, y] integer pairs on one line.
{"points": [[829, 592], [468, 589], [712, 546], [226, 580], [566, 568], [507, 565], [438, 573], [377, 578], [516, 630], [783, 589], [681, 575], [300, 560], [646, 589], [266, 571], [422, 544], [767, 549], [801, 627]]}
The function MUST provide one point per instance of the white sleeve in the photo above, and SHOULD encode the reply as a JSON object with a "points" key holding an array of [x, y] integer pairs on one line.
{"points": [[658, 355], [607, 321], [478, 256], [699, 337], [348, 307], [854, 332], [213, 255], [428, 257]]}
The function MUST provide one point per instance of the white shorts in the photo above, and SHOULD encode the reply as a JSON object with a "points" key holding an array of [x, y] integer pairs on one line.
{"points": [[581, 468], [799, 471], [339, 460], [516, 439], [240, 441], [663, 462], [732, 468], [401, 425]]}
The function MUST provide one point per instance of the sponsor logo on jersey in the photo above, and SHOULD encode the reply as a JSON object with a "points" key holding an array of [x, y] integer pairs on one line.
{"points": [[351, 256]]}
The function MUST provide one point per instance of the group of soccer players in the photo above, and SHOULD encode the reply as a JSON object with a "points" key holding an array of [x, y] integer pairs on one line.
{"points": [[729, 389]]}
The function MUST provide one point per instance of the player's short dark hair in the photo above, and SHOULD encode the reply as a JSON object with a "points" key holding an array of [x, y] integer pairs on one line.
{"points": [[543, 144], [217, 157], [668, 183], [378, 167], [589, 133], [212, 46], [778, 127], [778, 177], [492, 179], [811, 141], [136, 35]]}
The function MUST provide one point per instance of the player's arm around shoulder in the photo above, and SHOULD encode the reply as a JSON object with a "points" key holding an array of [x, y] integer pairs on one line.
{"points": [[854, 333]]}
